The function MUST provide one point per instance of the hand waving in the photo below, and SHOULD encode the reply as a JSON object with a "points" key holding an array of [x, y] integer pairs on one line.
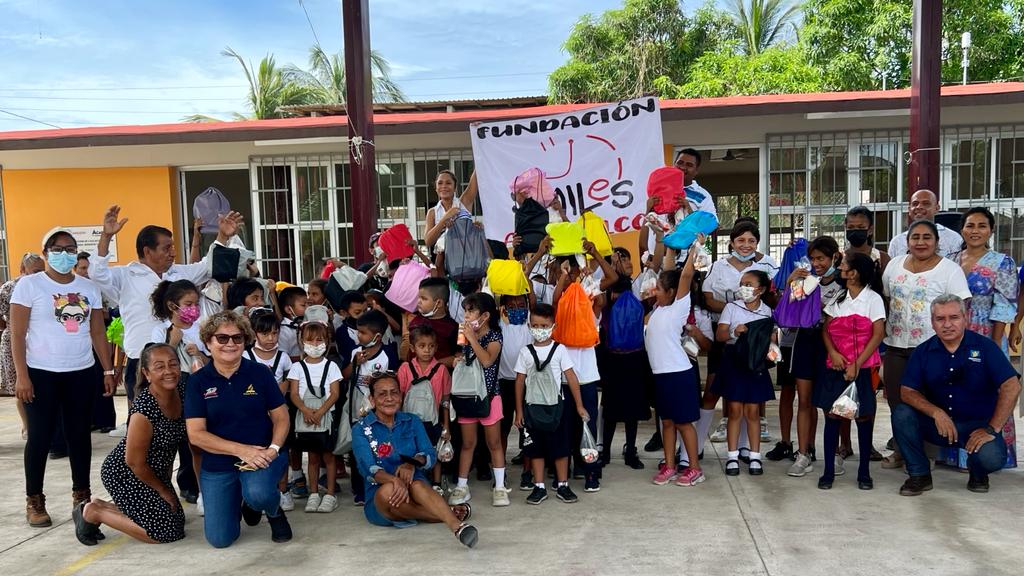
{"points": [[111, 225]]}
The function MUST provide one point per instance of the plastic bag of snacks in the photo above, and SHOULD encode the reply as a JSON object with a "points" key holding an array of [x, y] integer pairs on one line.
{"points": [[445, 452], [774, 353], [847, 406], [588, 447]]}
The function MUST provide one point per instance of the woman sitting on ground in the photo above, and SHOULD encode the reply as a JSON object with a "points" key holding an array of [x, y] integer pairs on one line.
{"points": [[393, 454], [137, 473]]}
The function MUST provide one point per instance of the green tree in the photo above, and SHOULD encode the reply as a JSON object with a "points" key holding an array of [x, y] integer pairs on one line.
{"points": [[762, 22], [645, 46], [776, 70], [326, 77], [269, 89], [855, 43]]}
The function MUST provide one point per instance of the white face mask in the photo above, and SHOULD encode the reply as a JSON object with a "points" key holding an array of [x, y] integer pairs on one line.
{"points": [[314, 350], [541, 334], [746, 293], [432, 311], [258, 347]]}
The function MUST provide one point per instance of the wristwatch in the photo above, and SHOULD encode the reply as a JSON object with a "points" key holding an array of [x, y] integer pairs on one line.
{"points": [[990, 430], [109, 372]]}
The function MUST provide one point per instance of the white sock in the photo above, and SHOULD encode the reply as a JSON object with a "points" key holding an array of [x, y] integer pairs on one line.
{"points": [[703, 425], [563, 483], [539, 485], [735, 456], [755, 456], [684, 456], [744, 440], [499, 477], [463, 483], [294, 475]]}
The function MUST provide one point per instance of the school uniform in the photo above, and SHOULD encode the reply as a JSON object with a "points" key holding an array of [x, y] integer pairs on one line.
{"points": [[851, 329], [676, 388], [551, 444], [735, 382]]}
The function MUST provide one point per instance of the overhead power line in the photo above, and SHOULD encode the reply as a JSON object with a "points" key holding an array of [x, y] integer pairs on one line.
{"points": [[29, 119]]}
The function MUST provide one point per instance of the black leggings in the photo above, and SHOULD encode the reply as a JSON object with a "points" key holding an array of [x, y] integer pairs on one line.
{"points": [[69, 394]]}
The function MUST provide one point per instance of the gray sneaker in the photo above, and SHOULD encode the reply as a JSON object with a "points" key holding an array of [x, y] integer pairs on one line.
{"points": [[840, 467], [802, 466], [721, 433]]}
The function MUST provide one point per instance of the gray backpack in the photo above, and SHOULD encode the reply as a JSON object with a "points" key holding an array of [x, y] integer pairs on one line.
{"points": [[419, 400]]}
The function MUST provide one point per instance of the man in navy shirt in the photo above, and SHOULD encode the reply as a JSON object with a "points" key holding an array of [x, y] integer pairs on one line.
{"points": [[958, 390]]}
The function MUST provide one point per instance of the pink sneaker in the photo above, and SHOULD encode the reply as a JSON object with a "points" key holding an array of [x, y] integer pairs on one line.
{"points": [[664, 475], [691, 477]]}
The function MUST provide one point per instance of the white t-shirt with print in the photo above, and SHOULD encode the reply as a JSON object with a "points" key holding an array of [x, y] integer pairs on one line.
{"points": [[283, 367], [911, 295], [724, 279], [736, 313], [662, 337], [316, 372], [543, 293], [513, 339], [560, 361], [58, 338], [379, 363]]}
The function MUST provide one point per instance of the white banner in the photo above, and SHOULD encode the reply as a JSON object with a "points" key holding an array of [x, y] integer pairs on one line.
{"points": [[596, 159]]}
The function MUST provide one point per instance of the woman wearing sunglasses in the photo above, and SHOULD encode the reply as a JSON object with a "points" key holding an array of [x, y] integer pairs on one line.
{"points": [[235, 413]]}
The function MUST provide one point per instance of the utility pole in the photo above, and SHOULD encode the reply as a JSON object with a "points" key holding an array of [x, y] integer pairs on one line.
{"points": [[925, 84], [359, 112]]}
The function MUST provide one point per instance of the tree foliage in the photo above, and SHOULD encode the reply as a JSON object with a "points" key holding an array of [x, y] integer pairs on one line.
{"points": [[857, 42], [761, 23], [776, 70], [326, 77]]}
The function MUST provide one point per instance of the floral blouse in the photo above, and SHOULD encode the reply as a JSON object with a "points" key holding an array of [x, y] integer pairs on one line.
{"points": [[993, 283], [911, 295]]}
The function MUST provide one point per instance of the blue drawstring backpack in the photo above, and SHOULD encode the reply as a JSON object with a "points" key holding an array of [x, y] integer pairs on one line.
{"points": [[699, 222], [626, 324], [790, 258]]}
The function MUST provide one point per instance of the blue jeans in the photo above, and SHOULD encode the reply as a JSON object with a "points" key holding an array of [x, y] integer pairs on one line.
{"points": [[223, 493], [912, 429]]}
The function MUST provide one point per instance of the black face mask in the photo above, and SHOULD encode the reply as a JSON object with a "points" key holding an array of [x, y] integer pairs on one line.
{"points": [[857, 238]]}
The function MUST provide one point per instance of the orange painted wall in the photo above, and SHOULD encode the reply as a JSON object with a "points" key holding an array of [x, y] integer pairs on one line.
{"points": [[37, 200]]}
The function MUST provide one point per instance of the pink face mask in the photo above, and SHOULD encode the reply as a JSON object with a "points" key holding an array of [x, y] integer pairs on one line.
{"points": [[189, 314]]}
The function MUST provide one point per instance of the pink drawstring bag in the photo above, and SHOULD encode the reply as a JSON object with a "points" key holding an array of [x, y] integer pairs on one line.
{"points": [[405, 285], [534, 183]]}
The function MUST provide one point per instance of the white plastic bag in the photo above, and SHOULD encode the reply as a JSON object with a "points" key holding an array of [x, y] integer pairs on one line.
{"points": [[445, 452], [847, 406], [645, 284], [690, 346], [588, 447]]}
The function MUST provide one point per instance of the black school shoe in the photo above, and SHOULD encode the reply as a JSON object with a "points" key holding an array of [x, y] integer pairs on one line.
{"points": [[915, 485], [251, 517], [280, 529], [756, 469], [781, 451], [565, 494], [189, 496], [978, 484], [825, 482], [537, 496], [84, 531], [526, 482]]}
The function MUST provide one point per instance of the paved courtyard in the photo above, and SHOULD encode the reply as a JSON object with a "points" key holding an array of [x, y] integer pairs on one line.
{"points": [[741, 525]]}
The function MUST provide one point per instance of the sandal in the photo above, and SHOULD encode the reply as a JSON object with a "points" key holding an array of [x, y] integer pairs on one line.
{"points": [[468, 535], [466, 515], [732, 471]]}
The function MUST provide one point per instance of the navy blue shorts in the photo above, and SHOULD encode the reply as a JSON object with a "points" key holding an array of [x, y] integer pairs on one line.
{"points": [[678, 396]]}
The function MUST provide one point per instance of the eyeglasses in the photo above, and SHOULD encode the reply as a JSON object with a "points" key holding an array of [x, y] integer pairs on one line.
{"points": [[223, 338], [68, 249]]}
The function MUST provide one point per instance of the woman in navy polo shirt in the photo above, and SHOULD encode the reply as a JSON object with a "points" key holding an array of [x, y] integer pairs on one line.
{"points": [[236, 415]]}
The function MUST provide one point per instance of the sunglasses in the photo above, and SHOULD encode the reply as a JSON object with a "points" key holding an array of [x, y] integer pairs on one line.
{"points": [[223, 338]]}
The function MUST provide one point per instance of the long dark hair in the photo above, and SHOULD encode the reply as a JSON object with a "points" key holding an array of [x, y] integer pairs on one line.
{"points": [[867, 274], [482, 302], [168, 292]]}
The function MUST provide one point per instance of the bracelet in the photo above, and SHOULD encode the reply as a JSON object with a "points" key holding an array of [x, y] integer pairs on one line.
{"points": [[275, 448], [109, 372]]}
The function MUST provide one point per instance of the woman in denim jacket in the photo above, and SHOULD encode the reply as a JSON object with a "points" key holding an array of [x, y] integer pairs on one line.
{"points": [[393, 453]]}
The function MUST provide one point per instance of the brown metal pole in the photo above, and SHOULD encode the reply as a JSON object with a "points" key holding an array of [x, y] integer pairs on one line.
{"points": [[925, 85], [359, 108]]}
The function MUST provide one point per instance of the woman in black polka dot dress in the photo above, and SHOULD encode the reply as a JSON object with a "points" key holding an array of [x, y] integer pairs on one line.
{"points": [[137, 473]]}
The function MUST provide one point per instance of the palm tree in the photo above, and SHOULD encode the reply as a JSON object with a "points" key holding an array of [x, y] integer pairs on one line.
{"points": [[325, 78], [762, 23], [269, 89]]}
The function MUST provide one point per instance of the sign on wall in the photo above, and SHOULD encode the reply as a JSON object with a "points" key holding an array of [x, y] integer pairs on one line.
{"points": [[596, 159], [88, 238]]}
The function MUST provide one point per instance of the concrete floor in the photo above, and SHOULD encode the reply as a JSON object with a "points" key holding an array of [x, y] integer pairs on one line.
{"points": [[771, 524]]}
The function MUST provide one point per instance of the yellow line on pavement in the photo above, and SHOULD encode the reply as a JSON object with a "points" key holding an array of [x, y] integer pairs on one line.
{"points": [[99, 552]]}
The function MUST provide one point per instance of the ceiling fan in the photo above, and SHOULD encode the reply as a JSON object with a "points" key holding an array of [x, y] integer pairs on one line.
{"points": [[730, 156]]}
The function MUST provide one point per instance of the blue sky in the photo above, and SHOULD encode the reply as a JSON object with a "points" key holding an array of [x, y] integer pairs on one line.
{"points": [[74, 63]]}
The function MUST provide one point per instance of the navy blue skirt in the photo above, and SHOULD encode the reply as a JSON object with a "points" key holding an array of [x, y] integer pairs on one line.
{"points": [[736, 383], [678, 396], [833, 382], [808, 355]]}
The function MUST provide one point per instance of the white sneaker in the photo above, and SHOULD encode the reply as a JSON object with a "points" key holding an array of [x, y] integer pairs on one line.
{"points": [[459, 495], [119, 432], [840, 467], [721, 433], [328, 504], [802, 466], [287, 502], [437, 488], [313, 503], [500, 497], [765, 436], [199, 505]]}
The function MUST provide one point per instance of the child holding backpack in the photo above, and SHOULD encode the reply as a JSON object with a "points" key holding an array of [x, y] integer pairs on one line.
{"points": [[425, 385], [678, 397], [541, 402], [315, 388]]}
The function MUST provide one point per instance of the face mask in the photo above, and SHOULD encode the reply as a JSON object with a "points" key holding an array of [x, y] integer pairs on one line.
{"points": [[378, 251], [743, 258], [373, 342], [541, 334], [261, 348], [516, 316], [831, 270], [189, 314], [314, 350], [475, 324], [746, 293], [432, 311], [857, 238], [61, 262]]}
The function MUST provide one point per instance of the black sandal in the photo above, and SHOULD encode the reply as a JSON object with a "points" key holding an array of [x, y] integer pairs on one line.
{"points": [[468, 535], [469, 511], [732, 471], [84, 530]]}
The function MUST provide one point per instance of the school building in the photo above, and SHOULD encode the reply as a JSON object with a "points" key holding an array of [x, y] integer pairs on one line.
{"points": [[796, 162]]}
